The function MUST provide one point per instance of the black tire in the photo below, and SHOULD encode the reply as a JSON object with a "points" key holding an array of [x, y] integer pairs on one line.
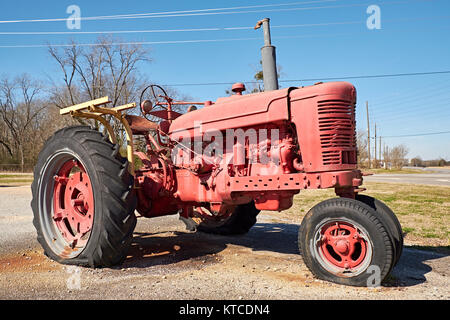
{"points": [[239, 222], [390, 220], [113, 220], [379, 248]]}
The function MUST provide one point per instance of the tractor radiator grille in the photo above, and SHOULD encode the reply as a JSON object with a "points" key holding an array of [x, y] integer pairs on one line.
{"points": [[337, 132]]}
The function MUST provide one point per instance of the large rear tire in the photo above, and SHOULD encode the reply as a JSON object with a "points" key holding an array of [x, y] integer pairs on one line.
{"points": [[83, 199], [239, 222], [344, 241]]}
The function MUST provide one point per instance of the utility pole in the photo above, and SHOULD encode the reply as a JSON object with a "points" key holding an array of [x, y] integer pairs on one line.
{"points": [[269, 61], [368, 131], [386, 152], [380, 148], [375, 147]]}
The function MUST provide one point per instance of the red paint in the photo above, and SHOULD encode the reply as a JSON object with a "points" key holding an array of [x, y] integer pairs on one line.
{"points": [[342, 245], [73, 204], [315, 145]]}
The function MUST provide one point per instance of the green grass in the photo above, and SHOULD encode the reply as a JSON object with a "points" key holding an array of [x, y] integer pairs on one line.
{"points": [[423, 211], [408, 230], [11, 176], [15, 181]]}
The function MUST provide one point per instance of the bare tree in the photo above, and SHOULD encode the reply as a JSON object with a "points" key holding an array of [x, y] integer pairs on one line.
{"points": [[105, 69], [398, 155], [5, 141], [361, 142], [19, 109], [417, 162]]}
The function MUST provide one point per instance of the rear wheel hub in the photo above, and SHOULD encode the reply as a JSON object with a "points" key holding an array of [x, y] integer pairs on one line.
{"points": [[73, 205]]}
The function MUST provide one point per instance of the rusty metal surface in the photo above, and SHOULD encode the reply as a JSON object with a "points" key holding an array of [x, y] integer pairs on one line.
{"points": [[140, 125]]}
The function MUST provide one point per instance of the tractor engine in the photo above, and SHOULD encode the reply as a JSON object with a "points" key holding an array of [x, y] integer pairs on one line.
{"points": [[264, 147]]}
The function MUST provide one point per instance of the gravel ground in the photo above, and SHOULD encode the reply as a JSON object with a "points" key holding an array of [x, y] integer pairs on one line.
{"points": [[168, 262]]}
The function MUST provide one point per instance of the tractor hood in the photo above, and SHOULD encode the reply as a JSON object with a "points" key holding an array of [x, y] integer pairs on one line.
{"points": [[237, 111], [241, 111]]}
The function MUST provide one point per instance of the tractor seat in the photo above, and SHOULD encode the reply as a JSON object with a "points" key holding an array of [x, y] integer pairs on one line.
{"points": [[140, 125]]}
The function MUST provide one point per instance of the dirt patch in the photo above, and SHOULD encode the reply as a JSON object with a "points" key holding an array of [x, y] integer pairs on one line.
{"points": [[27, 261]]}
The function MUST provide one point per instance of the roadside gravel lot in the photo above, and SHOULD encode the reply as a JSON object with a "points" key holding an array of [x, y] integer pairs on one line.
{"points": [[168, 262]]}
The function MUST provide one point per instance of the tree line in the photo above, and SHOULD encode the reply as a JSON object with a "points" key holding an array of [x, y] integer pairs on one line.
{"points": [[391, 157], [29, 107]]}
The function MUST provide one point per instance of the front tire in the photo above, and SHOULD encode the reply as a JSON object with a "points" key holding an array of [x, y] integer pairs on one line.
{"points": [[239, 222], [83, 199], [390, 220], [343, 241]]}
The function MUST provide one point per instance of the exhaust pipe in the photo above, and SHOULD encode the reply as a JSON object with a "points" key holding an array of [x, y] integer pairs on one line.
{"points": [[269, 61]]}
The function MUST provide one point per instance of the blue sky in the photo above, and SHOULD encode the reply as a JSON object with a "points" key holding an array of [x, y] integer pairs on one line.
{"points": [[414, 37]]}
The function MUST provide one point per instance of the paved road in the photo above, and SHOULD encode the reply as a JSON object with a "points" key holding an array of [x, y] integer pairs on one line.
{"points": [[167, 262], [437, 179]]}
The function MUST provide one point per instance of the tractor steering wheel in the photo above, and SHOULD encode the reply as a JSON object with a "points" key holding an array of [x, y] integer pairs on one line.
{"points": [[156, 96]]}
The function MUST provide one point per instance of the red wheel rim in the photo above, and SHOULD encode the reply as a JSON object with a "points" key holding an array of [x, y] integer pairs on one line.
{"points": [[73, 203], [343, 245]]}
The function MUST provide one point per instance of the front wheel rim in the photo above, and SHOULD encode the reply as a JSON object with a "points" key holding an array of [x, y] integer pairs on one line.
{"points": [[342, 247]]}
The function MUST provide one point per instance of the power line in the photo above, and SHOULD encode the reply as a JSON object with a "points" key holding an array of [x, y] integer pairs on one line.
{"points": [[417, 135], [202, 12], [423, 109], [418, 100], [373, 76], [413, 104], [108, 32], [324, 79], [173, 13], [186, 41], [165, 41], [437, 114], [414, 93], [251, 81], [429, 118], [164, 13], [130, 43], [208, 28]]}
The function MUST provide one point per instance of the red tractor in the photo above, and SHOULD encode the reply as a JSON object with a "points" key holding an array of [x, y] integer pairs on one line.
{"points": [[217, 167]]}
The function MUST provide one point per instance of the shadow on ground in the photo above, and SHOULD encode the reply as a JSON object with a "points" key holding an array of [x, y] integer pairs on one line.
{"points": [[150, 249], [414, 265]]}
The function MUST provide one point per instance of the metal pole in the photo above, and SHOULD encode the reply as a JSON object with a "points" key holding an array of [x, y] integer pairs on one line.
{"points": [[269, 63], [380, 148], [375, 146], [368, 132]]}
